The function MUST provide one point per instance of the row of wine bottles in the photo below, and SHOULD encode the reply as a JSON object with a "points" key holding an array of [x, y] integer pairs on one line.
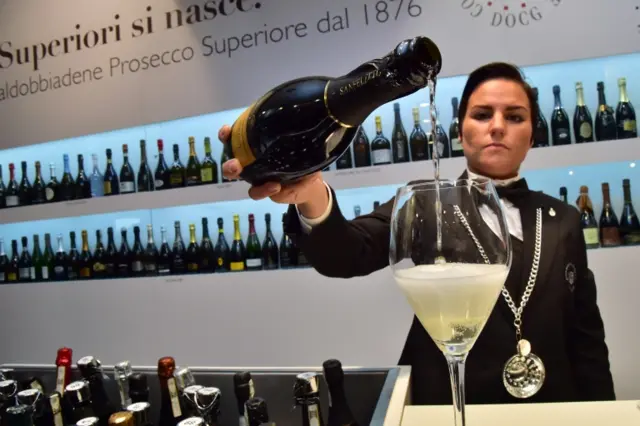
{"points": [[89, 401], [111, 262], [609, 231]]}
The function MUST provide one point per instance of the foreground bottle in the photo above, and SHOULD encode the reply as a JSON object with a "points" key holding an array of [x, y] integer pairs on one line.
{"points": [[306, 393], [339, 412], [304, 125]]}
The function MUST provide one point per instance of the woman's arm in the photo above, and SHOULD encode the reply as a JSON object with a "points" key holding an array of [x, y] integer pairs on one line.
{"points": [[588, 350], [340, 248]]}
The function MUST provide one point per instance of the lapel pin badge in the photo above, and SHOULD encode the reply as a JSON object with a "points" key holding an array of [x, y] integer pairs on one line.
{"points": [[552, 212], [570, 274]]}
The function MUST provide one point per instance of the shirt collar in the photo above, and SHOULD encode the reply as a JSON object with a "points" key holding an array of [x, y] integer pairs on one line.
{"points": [[496, 182]]}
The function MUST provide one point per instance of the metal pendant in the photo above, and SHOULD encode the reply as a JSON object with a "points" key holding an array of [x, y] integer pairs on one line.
{"points": [[524, 373]]}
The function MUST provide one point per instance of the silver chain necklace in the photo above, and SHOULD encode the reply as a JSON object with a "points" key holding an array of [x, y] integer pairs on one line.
{"points": [[524, 373]]}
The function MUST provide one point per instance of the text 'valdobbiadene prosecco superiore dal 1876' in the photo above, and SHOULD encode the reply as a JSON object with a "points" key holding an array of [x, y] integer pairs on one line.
{"points": [[304, 125]]}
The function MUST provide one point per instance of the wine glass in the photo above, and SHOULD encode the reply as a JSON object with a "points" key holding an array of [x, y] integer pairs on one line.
{"points": [[450, 254]]}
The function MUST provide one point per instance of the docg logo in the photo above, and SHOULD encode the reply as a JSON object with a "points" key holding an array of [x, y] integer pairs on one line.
{"points": [[509, 13]]}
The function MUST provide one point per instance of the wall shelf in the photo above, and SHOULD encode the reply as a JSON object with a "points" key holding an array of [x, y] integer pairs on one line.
{"points": [[395, 174]]}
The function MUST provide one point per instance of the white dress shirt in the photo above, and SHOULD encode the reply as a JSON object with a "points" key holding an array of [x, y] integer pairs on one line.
{"points": [[512, 213]]}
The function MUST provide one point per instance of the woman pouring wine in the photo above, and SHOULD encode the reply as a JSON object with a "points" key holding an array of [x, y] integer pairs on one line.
{"points": [[549, 297]]}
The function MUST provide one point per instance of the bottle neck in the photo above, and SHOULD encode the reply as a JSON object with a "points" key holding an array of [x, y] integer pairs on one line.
{"points": [[143, 153], [252, 227], [85, 242], [584, 203], [580, 97], [416, 118], [192, 235], [163, 236], [207, 148], [14, 249], [60, 245], [178, 238], [12, 174], [150, 236], [236, 230], [205, 231], [95, 164], [606, 196], [192, 149], [52, 170], [67, 168], [626, 189], [624, 98], [378, 127], [80, 165], [602, 100], [2, 253], [136, 235], [73, 242], [38, 172], [176, 155], [557, 100]]}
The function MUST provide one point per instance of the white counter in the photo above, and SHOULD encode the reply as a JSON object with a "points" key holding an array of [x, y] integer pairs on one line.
{"points": [[618, 413]]}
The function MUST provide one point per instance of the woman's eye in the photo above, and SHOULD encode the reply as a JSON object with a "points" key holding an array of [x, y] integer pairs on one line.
{"points": [[516, 118], [482, 115]]}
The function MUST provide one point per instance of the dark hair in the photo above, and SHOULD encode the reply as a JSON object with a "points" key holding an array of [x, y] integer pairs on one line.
{"points": [[494, 71]]}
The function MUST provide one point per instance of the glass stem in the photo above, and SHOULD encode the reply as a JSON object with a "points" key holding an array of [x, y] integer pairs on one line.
{"points": [[456, 373]]}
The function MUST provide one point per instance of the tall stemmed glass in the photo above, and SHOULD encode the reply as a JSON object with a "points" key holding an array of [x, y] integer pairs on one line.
{"points": [[450, 254]]}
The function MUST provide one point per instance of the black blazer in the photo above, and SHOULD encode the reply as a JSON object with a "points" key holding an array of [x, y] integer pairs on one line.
{"points": [[561, 320]]}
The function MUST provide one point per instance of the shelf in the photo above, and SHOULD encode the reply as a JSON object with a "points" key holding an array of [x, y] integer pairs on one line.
{"points": [[394, 174]]}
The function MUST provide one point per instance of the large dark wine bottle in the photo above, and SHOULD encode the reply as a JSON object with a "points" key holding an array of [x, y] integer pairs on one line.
{"points": [[609, 225], [361, 149], [244, 390], [111, 182], [380, 146], [123, 259], [111, 258], [146, 181], [170, 406], [560, 127], [192, 255], [60, 262], [83, 184], [52, 187], [304, 125], [2, 191], [11, 270], [270, 258], [137, 254], [25, 265], [237, 255], [442, 141], [24, 191], [541, 127], [150, 254], [193, 165], [340, 413], [625, 114], [178, 261], [163, 174], [588, 219], [253, 259], [582, 121], [127, 175], [67, 184], [629, 223], [418, 141], [86, 262], [221, 251], [207, 257], [605, 122], [91, 370], [73, 260], [11, 196], [99, 262], [399, 140], [209, 167], [178, 172], [4, 262], [38, 189], [164, 257]]}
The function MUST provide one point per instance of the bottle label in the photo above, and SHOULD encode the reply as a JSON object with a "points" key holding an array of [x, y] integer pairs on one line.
{"points": [[107, 187], [45, 272], [159, 183], [150, 267], [629, 125], [192, 267], [381, 156], [85, 272], [32, 272], [611, 236], [12, 200], [237, 266], [127, 187], [254, 263], [136, 266], [193, 180], [99, 267], [60, 379], [24, 273], [175, 401], [456, 144], [49, 194], [220, 261], [206, 175], [58, 271], [562, 135], [314, 417], [1, 276], [586, 130], [164, 270], [591, 236], [176, 179], [12, 276]]}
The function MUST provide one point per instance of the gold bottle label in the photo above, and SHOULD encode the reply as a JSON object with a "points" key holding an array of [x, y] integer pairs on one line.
{"points": [[237, 266]]}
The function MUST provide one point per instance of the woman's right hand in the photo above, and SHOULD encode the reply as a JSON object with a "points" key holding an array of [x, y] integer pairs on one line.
{"points": [[309, 193]]}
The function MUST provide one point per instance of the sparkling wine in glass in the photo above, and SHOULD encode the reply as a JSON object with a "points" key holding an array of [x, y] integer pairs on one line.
{"points": [[452, 282]]}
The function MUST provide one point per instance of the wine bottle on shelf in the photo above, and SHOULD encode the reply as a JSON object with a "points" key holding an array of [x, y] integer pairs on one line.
{"points": [[123, 259], [138, 388], [60, 262], [137, 254], [11, 271], [399, 141], [253, 248], [3, 190], [64, 359], [12, 198], [209, 167], [46, 269], [4, 262], [91, 370], [127, 175], [346, 159], [25, 265], [257, 413], [163, 174], [141, 412], [625, 114], [73, 259], [24, 190], [67, 184], [150, 258], [38, 260], [442, 141], [237, 256], [170, 406], [178, 171], [588, 219], [301, 134], [629, 223], [111, 181], [96, 180], [51, 190], [288, 256], [380, 146], [207, 253], [306, 393], [178, 262], [83, 185], [356, 211], [270, 256], [99, 258], [361, 149], [164, 258], [193, 165], [86, 261], [418, 140], [38, 195], [121, 372], [244, 390], [146, 181], [560, 133], [192, 256], [609, 225], [221, 250], [111, 257], [77, 396], [605, 123], [209, 405], [454, 131], [582, 121], [340, 413]]}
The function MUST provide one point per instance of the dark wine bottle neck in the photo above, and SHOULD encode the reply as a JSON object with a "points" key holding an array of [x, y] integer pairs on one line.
{"points": [[627, 194]]}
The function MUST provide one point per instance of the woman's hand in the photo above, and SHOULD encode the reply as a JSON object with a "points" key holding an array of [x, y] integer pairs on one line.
{"points": [[309, 193]]}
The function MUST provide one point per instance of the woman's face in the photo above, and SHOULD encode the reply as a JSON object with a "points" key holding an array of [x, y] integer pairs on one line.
{"points": [[497, 129]]}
